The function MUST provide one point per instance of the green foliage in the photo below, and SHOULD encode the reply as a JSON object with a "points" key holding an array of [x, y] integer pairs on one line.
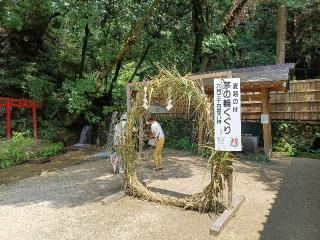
{"points": [[49, 150], [295, 138], [21, 148], [183, 143], [78, 92], [178, 127], [54, 132], [15, 150], [179, 133], [311, 154], [42, 48]]}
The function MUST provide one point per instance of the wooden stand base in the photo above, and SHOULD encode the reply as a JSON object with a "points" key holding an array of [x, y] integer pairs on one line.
{"points": [[226, 216]]}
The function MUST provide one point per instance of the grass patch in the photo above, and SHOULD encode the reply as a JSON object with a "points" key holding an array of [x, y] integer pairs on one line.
{"points": [[313, 154], [21, 148]]}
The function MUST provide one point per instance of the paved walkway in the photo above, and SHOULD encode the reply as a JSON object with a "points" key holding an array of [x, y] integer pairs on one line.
{"points": [[282, 202]]}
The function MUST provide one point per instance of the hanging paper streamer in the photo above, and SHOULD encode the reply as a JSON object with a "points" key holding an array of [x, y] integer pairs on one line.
{"points": [[145, 100], [169, 101]]}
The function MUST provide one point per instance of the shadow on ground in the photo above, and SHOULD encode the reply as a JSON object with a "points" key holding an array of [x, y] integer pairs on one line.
{"points": [[176, 164], [72, 186], [295, 213], [85, 182]]}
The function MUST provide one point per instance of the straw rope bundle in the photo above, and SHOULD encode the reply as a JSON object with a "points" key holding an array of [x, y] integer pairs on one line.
{"points": [[220, 163]]}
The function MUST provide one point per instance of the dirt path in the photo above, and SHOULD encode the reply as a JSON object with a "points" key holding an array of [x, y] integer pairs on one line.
{"points": [[282, 202]]}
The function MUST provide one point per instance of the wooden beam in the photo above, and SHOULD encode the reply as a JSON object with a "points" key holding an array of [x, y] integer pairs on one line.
{"points": [[226, 216], [250, 87], [140, 136], [128, 98], [251, 97], [209, 76], [260, 85], [200, 133], [267, 136]]}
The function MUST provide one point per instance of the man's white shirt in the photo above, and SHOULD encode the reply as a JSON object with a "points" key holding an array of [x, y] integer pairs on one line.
{"points": [[157, 130]]}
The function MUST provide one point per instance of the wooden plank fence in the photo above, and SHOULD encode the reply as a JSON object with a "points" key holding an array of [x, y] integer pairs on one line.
{"points": [[301, 102]]}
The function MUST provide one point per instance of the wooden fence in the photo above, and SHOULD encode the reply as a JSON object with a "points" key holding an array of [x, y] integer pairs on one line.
{"points": [[300, 103]]}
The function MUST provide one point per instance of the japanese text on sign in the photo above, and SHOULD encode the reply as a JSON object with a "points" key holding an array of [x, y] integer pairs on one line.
{"points": [[227, 114]]}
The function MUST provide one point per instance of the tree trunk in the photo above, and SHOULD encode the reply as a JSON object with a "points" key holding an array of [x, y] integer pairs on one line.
{"points": [[84, 49], [198, 25], [142, 58], [207, 63], [127, 45], [114, 80], [281, 34], [233, 15]]}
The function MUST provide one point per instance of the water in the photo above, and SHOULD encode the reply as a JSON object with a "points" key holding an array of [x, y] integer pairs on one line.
{"points": [[86, 135], [101, 154]]}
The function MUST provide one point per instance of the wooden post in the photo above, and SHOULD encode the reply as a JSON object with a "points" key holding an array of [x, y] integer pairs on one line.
{"points": [[267, 136], [34, 116], [8, 120], [230, 178], [230, 190], [140, 136], [200, 133], [128, 98]]}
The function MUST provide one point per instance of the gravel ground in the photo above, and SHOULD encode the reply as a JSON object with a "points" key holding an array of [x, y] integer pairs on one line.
{"points": [[282, 202], [71, 156]]}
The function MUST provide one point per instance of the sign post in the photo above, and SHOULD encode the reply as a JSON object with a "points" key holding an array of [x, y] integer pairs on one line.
{"points": [[227, 114], [227, 120]]}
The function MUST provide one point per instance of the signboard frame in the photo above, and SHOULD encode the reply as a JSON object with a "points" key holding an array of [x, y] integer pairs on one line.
{"points": [[227, 114]]}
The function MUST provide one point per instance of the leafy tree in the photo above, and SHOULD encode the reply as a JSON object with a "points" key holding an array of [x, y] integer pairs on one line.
{"points": [[76, 56]]}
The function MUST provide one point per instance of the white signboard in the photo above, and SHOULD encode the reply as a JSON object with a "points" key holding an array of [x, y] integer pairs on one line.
{"points": [[227, 114]]}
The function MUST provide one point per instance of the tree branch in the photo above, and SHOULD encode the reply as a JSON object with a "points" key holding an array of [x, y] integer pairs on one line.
{"points": [[127, 45], [233, 15], [142, 58], [114, 80], [198, 25], [84, 49]]}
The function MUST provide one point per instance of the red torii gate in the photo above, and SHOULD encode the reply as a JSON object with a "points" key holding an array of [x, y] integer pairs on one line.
{"points": [[20, 103]]}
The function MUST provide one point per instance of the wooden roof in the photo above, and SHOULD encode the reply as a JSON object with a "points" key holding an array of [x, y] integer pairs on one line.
{"points": [[253, 79]]}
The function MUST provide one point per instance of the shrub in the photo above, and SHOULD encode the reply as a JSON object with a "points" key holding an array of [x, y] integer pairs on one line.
{"points": [[15, 150], [179, 132], [183, 143], [21, 148], [49, 149], [295, 138]]}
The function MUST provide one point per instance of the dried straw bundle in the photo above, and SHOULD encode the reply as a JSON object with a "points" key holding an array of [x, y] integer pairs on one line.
{"points": [[220, 163]]}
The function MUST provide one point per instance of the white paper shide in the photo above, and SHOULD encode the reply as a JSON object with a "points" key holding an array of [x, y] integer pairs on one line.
{"points": [[227, 114]]}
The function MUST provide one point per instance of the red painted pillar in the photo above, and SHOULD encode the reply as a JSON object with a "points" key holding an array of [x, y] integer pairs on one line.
{"points": [[8, 120], [34, 115]]}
